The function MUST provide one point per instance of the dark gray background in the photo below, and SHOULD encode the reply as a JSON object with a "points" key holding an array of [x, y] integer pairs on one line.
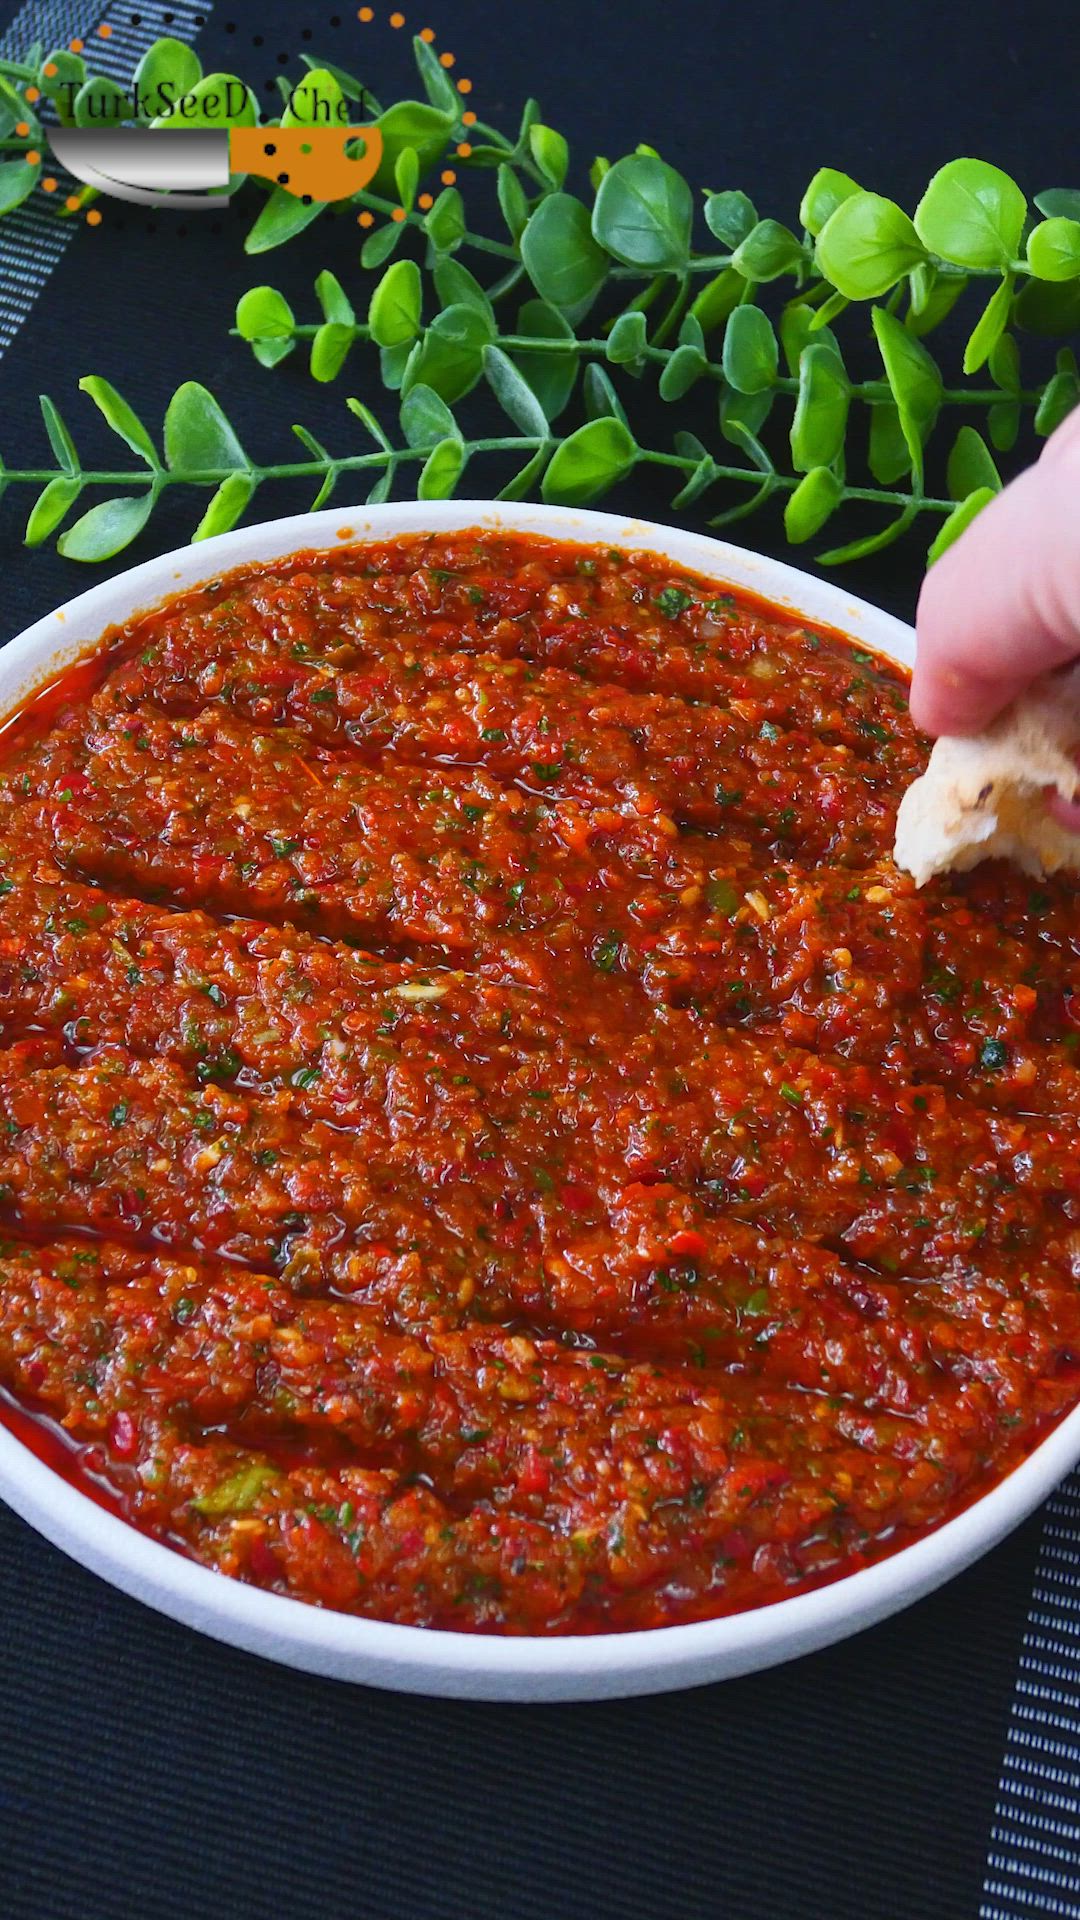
{"points": [[144, 1770]]}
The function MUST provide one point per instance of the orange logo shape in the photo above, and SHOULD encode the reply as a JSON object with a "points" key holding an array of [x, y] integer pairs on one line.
{"points": [[314, 163]]}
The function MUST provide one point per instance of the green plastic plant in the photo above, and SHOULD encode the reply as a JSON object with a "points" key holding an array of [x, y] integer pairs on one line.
{"points": [[578, 309]]}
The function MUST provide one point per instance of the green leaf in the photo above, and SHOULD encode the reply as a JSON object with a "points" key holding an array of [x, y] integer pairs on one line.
{"points": [[687, 364], [889, 456], [643, 214], [376, 431], [745, 507], [412, 123], [552, 376], [167, 71], [513, 202], [514, 394], [283, 216], [351, 87], [589, 462], [797, 330], [270, 353], [121, 418], [67, 77], [439, 88], [380, 244], [971, 214], [816, 497], [425, 418], [238, 1493], [441, 470], [702, 477], [1059, 396], [989, 327], [407, 176], [561, 258], [101, 102], [742, 415], [382, 488], [108, 528], [751, 356], [198, 437], [60, 440], [51, 507], [935, 299], [600, 397], [333, 299], [971, 465], [18, 178], [330, 350], [445, 223], [226, 506], [627, 340], [914, 380], [1004, 363], [551, 154], [767, 252], [394, 310], [524, 481], [1048, 307], [717, 299], [450, 356], [1003, 423], [264, 314], [730, 216], [873, 542], [456, 286], [1053, 249], [828, 190], [960, 517], [867, 245], [318, 100], [1059, 203], [821, 410]]}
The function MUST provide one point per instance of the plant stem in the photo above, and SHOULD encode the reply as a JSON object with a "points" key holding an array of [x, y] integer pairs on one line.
{"points": [[869, 390], [380, 457]]}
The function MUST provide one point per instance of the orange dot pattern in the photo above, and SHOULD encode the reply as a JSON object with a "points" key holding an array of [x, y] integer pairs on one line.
{"points": [[93, 218], [397, 19], [49, 185], [366, 14], [448, 177], [365, 219]]}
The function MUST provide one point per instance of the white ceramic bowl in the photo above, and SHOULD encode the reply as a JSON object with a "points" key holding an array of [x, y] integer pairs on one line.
{"points": [[413, 1659]]}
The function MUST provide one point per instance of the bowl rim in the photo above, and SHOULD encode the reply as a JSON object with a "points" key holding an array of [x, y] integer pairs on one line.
{"points": [[439, 1661]]}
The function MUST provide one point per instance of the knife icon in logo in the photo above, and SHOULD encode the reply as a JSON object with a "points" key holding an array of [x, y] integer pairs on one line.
{"points": [[194, 167]]}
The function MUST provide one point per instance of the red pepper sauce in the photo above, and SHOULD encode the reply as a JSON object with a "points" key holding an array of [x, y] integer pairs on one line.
{"points": [[488, 1138]]}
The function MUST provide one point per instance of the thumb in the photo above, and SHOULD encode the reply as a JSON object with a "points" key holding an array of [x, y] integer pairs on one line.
{"points": [[1003, 605]]}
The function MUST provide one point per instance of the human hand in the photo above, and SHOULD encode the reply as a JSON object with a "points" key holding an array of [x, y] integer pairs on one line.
{"points": [[1002, 606]]}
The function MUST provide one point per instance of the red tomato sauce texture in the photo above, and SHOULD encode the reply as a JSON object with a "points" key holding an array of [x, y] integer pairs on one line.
{"points": [[488, 1138]]}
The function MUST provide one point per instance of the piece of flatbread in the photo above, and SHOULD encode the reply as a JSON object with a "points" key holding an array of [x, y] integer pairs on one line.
{"points": [[983, 796]]}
